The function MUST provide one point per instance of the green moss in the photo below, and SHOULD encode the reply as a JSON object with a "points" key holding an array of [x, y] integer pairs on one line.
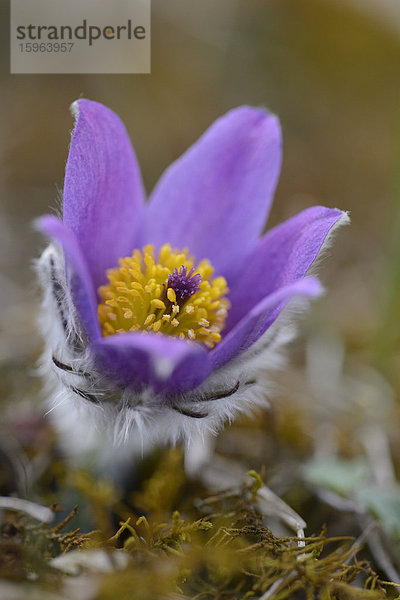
{"points": [[217, 548]]}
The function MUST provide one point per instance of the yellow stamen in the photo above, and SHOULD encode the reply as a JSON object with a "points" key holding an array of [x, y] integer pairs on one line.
{"points": [[171, 295], [149, 319], [158, 304], [157, 325], [140, 297]]}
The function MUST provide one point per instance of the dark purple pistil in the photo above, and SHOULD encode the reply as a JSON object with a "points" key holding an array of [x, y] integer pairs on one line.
{"points": [[184, 283]]}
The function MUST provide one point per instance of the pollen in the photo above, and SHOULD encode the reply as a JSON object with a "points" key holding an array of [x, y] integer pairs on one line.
{"points": [[165, 293]]}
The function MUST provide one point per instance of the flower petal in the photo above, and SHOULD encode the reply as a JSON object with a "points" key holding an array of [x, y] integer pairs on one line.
{"points": [[165, 363], [257, 321], [78, 274], [281, 257], [216, 197], [103, 192]]}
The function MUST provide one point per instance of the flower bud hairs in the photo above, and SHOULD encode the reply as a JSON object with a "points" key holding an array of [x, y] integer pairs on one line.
{"points": [[160, 318]]}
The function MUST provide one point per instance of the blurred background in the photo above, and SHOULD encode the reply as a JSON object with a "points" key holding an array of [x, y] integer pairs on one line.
{"points": [[330, 69]]}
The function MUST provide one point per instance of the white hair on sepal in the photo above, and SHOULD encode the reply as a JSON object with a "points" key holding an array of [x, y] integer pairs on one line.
{"points": [[97, 418], [59, 326]]}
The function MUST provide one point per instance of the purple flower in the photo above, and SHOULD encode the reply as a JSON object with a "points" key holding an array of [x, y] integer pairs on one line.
{"points": [[117, 334]]}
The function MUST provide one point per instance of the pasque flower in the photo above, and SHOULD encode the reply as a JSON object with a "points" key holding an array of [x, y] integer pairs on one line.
{"points": [[163, 314]]}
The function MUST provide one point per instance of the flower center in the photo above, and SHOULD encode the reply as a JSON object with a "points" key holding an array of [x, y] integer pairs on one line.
{"points": [[169, 295]]}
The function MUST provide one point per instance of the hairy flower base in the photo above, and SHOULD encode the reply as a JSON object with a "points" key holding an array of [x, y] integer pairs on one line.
{"points": [[168, 294]]}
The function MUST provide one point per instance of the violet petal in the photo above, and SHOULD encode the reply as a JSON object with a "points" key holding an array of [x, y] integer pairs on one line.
{"points": [[77, 273], [216, 197], [281, 257], [257, 321], [165, 363], [103, 191]]}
